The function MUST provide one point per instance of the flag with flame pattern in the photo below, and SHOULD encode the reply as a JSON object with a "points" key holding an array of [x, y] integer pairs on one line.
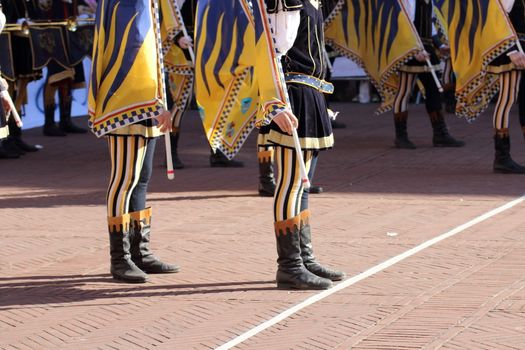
{"points": [[127, 83], [238, 81]]}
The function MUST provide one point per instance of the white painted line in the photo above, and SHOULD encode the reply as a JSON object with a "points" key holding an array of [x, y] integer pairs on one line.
{"points": [[372, 271]]}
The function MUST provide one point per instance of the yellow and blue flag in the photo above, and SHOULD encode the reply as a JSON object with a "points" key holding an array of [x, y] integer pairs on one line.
{"points": [[478, 32], [379, 36], [178, 67], [238, 81], [127, 83]]}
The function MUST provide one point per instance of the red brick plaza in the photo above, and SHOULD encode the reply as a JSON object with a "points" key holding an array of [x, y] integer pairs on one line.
{"points": [[466, 291]]}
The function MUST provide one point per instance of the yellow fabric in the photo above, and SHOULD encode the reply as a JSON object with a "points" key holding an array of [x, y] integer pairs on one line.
{"points": [[379, 36], [238, 79], [126, 85], [178, 68], [478, 31]]}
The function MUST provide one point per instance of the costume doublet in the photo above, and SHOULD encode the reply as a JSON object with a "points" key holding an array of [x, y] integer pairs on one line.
{"points": [[304, 67]]}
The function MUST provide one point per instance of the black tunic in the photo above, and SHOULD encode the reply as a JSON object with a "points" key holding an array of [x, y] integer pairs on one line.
{"points": [[308, 104], [423, 24], [21, 47]]}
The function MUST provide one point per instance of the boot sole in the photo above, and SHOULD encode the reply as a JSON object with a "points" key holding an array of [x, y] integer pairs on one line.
{"points": [[505, 171], [160, 272], [289, 286], [127, 280]]}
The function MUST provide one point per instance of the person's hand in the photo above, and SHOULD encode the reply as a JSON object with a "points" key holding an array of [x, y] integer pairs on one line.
{"points": [[444, 50], [5, 105], [286, 121], [518, 58], [422, 56], [185, 42], [164, 122]]}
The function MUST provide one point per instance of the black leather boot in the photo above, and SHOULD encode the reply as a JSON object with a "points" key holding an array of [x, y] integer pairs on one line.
{"points": [[122, 267], [50, 127], [291, 273], [6, 152], [141, 254], [400, 122], [66, 125], [177, 163], [441, 137], [266, 174], [503, 162], [219, 160], [307, 252], [16, 133]]}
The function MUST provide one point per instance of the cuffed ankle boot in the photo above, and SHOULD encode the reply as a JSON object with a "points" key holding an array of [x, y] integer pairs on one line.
{"points": [[503, 162], [307, 253], [441, 137], [50, 127], [400, 122], [177, 163], [266, 174], [122, 268], [141, 254], [66, 124], [291, 273]]}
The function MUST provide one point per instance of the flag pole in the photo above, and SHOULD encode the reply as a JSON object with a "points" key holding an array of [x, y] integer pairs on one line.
{"points": [[434, 75], [170, 172]]}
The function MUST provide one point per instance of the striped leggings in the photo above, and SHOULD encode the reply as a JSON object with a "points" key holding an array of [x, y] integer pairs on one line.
{"points": [[508, 94], [406, 85], [288, 200], [131, 168]]}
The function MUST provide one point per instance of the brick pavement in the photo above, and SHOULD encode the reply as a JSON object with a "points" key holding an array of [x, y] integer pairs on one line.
{"points": [[467, 292]]}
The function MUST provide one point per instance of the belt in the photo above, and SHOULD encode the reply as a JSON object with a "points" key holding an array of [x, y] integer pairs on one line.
{"points": [[318, 84]]}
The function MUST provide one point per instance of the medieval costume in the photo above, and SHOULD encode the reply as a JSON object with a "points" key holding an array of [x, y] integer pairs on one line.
{"points": [[126, 92], [62, 76], [509, 86], [18, 69], [420, 12], [299, 33]]}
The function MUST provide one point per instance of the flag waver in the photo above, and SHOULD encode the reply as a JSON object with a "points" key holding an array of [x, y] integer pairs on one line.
{"points": [[478, 32], [127, 77], [237, 74], [379, 36]]}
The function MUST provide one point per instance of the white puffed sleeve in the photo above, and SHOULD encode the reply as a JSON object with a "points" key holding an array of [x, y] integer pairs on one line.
{"points": [[2, 20], [507, 5], [285, 25]]}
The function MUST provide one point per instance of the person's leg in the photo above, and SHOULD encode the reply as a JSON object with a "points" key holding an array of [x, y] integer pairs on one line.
{"points": [[509, 88], [266, 171], [521, 103], [307, 253], [288, 221], [14, 130], [140, 217], [433, 104], [406, 84], [65, 103], [127, 155], [50, 127]]}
